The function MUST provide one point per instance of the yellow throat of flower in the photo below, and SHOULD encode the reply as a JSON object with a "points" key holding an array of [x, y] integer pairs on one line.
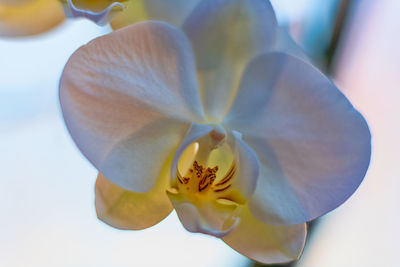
{"points": [[203, 191], [201, 180]]}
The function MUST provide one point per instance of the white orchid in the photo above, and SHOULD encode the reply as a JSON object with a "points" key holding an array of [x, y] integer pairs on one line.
{"points": [[247, 144]]}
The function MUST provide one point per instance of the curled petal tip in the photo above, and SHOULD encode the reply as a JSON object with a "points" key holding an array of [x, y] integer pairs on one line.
{"points": [[101, 17]]}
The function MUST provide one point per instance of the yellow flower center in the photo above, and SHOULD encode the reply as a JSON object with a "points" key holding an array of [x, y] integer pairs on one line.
{"points": [[205, 169], [203, 191], [201, 180]]}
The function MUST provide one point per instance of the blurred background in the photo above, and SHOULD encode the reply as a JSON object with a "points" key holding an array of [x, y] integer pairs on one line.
{"points": [[47, 213]]}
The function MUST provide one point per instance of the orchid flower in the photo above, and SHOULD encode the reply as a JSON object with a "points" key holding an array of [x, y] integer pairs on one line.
{"points": [[29, 17], [245, 143]]}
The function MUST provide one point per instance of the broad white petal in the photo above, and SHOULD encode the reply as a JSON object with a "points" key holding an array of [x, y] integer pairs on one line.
{"points": [[173, 12], [127, 100], [266, 243], [226, 34], [25, 18], [128, 210], [314, 147], [100, 12]]}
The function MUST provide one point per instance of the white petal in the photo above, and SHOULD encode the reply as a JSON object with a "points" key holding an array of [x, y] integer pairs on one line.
{"points": [[127, 99], [226, 34], [266, 243], [314, 147]]}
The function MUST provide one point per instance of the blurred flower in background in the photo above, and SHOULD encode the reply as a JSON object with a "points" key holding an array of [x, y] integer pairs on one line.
{"points": [[29, 17]]}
